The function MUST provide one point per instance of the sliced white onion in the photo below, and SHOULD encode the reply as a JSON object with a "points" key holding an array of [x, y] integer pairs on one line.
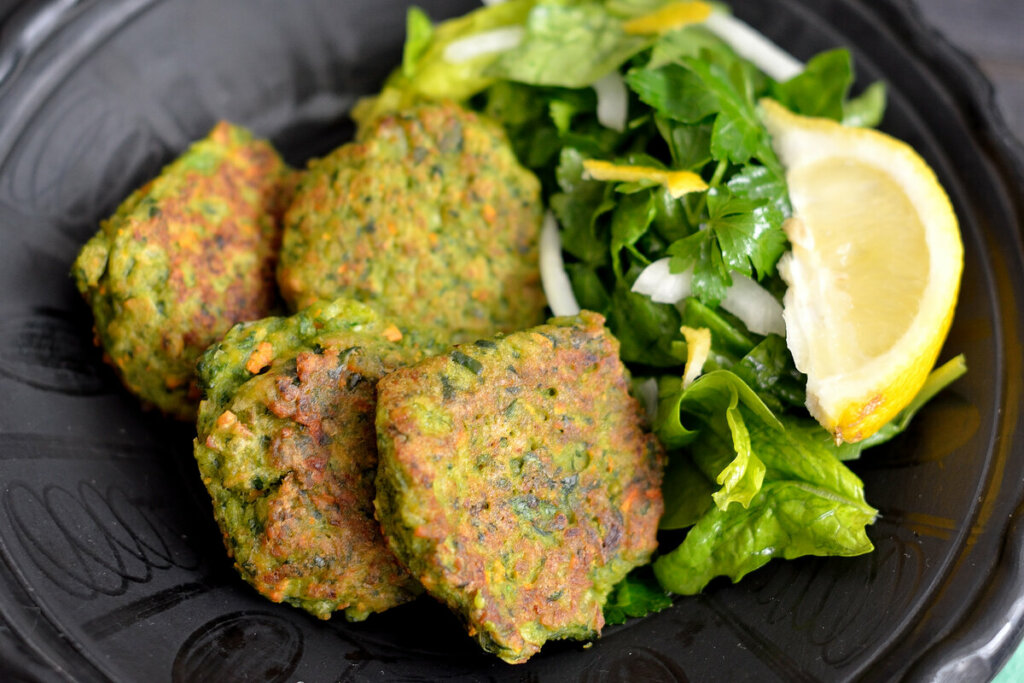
{"points": [[751, 303], [648, 391], [662, 285], [745, 299], [612, 101], [484, 43], [752, 45], [553, 277]]}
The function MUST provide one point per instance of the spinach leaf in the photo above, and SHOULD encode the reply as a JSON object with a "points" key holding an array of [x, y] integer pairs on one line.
{"points": [[770, 371], [821, 88], [637, 595], [867, 109], [809, 504], [579, 208], [785, 519], [644, 328], [630, 220]]}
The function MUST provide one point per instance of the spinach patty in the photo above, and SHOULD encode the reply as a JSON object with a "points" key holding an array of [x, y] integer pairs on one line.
{"points": [[429, 217], [184, 258], [287, 450], [517, 481]]}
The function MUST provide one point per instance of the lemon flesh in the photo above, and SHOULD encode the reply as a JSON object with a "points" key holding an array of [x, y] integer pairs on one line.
{"points": [[874, 271]]}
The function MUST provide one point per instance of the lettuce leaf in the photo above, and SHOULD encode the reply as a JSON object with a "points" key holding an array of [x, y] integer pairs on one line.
{"points": [[808, 502], [568, 46], [687, 493], [787, 519], [426, 74], [713, 402]]}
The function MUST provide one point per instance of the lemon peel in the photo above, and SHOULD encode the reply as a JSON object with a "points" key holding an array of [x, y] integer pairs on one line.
{"points": [[677, 183], [698, 347], [668, 18]]}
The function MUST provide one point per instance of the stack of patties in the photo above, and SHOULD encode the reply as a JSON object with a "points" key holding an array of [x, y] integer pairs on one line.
{"points": [[515, 481], [287, 448], [512, 478]]}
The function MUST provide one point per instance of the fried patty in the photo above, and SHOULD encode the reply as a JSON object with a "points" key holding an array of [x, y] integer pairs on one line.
{"points": [[287, 450], [429, 217], [517, 481], [183, 259]]}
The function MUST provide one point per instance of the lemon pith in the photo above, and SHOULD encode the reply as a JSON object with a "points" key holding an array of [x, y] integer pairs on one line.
{"points": [[874, 271]]}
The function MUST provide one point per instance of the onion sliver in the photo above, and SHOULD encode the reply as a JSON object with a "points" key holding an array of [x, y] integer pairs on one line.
{"points": [[485, 43], [553, 277], [752, 45], [751, 303], [745, 299], [662, 285], [612, 101]]}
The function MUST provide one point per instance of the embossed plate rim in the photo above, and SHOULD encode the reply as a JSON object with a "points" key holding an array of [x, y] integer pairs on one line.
{"points": [[972, 634]]}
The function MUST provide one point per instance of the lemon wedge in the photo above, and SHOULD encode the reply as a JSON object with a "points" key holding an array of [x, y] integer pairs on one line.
{"points": [[874, 271]]}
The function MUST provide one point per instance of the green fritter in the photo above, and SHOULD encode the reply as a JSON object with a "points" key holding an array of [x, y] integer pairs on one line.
{"points": [[429, 217], [518, 482], [183, 259], [287, 449]]}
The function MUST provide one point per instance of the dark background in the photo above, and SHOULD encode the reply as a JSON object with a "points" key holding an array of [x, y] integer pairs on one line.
{"points": [[992, 33]]}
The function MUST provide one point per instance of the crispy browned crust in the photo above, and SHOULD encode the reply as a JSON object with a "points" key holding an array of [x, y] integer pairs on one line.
{"points": [[517, 481]]}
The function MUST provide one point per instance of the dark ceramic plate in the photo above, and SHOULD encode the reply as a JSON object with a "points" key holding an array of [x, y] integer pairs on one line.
{"points": [[110, 566]]}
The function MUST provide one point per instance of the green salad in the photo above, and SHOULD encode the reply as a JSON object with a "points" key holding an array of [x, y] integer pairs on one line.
{"points": [[612, 104]]}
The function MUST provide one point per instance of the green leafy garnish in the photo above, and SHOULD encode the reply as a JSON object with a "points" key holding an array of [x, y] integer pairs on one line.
{"points": [[867, 109], [569, 46], [637, 595], [786, 519], [712, 404], [821, 89], [687, 493]]}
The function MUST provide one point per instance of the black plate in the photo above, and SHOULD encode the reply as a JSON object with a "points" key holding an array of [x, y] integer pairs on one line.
{"points": [[111, 567]]}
